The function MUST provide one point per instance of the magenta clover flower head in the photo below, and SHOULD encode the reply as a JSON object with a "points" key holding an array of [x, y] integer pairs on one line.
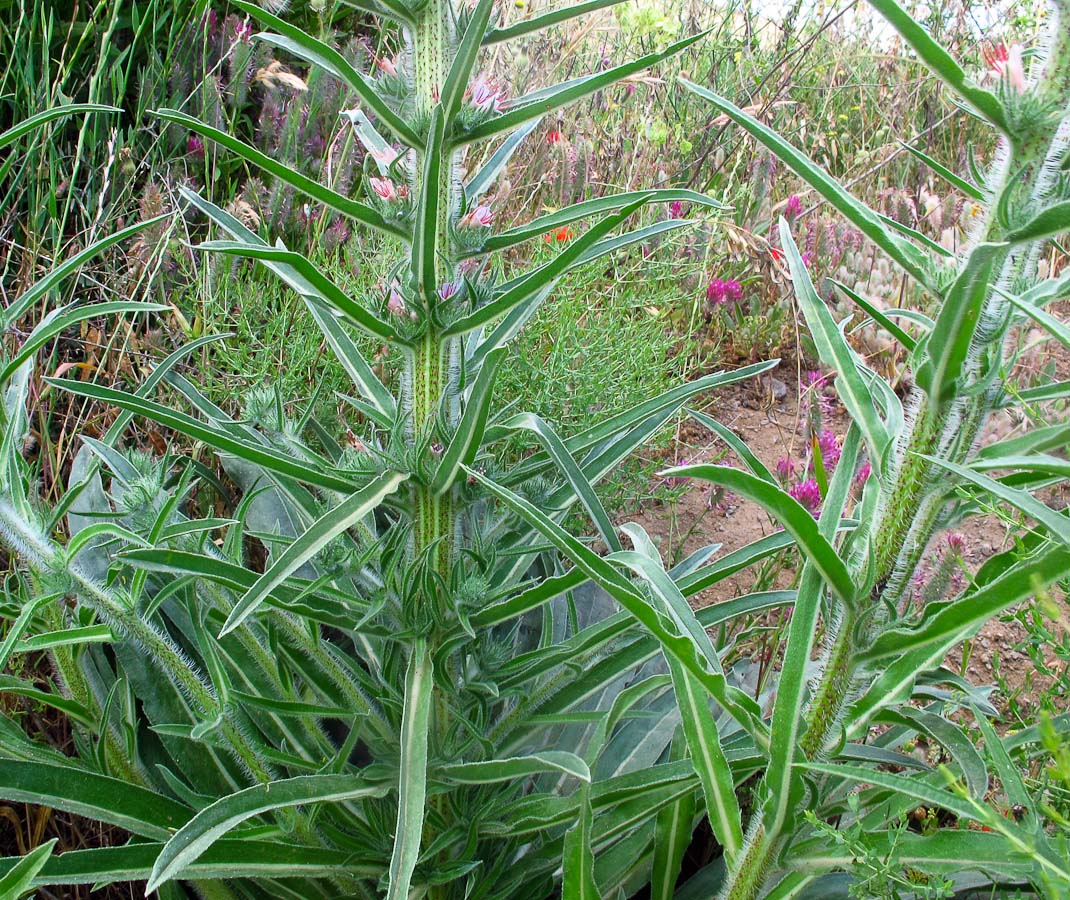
{"points": [[676, 480], [676, 209], [830, 448], [195, 145], [785, 468], [793, 208], [447, 290], [721, 291], [956, 542], [864, 471], [807, 493], [481, 216]]}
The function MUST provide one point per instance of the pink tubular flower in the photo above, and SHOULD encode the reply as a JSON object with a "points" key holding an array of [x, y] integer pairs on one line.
{"points": [[808, 494], [447, 290], [387, 65], [1016, 69], [996, 57], [384, 189], [484, 95], [395, 304], [480, 216], [386, 156]]}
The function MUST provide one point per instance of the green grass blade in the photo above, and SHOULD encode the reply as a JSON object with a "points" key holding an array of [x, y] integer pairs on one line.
{"points": [[865, 219], [354, 209], [212, 822], [304, 46], [75, 790], [412, 777], [321, 533], [20, 129], [541, 102]]}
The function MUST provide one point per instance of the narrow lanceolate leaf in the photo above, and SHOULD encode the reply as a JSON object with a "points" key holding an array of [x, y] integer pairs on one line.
{"points": [[568, 467], [354, 209], [672, 837], [58, 320], [533, 282], [970, 190], [577, 862], [960, 312], [19, 879], [942, 64], [1051, 324], [261, 455], [304, 46], [575, 212], [953, 739], [412, 777], [786, 510], [464, 60], [686, 647], [738, 447], [865, 219], [223, 860], [58, 273], [324, 530], [699, 725], [537, 23], [465, 442], [1021, 500], [482, 181], [425, 249], [518, 767], [16, 629], [953, 621], [835, 352], [94, 796], [212, 822], [20, 129], [539, 103], [877, 315], [313, 283]]}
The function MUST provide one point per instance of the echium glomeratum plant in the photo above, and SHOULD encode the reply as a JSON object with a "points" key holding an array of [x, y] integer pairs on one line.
{"points": [[415, 696], [874, 651]]}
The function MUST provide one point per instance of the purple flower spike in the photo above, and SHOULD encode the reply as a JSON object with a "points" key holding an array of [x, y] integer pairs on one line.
{"points": [[793, 208], [830, 449]]}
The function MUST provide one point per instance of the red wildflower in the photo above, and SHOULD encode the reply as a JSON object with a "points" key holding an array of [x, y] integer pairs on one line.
{"points": [[564, 233], [553, 137]]}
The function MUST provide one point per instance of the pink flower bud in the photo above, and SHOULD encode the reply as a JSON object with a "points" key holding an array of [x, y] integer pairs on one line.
{"points": [[485, 96], [447, 290], [1016, 69], [387, 65], [395, 304], [480, 216]]}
